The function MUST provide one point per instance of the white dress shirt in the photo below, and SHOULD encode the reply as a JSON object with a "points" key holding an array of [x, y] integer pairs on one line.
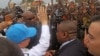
{"points": [[65, 43]]}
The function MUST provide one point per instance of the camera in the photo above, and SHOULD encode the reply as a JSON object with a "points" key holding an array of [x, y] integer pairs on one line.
{"points": [[18, 11], [58, 13]]}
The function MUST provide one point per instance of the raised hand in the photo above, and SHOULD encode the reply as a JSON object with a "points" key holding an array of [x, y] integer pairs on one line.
{"points": [[42, 15]]}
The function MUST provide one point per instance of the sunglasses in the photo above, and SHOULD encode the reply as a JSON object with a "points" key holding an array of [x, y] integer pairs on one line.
{"points": [[30, 18]]}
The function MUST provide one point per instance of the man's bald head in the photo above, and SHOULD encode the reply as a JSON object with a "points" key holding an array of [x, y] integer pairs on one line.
{"points": [[28, 14], [29, 17], [68, 26], [66, 30]]}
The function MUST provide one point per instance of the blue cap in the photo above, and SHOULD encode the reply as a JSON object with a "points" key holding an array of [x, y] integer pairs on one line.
{"points": [[19, 32]]}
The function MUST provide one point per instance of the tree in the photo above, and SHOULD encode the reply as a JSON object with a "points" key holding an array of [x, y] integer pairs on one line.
{"points": [[23, 1], [30, 0], [9, 3], [79, 1]]}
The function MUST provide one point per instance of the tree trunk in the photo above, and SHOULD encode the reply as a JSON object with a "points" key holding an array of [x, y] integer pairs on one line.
{"points": [[9, 3]]}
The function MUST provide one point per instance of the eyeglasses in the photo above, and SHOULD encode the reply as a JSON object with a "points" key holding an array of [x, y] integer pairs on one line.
{"points": [[31, 18]]}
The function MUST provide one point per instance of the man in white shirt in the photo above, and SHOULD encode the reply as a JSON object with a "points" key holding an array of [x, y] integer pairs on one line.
{"points": [[20, 37]]}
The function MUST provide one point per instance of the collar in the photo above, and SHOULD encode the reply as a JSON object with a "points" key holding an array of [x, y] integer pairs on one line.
{"points": [[67, 42], [24, 50]]}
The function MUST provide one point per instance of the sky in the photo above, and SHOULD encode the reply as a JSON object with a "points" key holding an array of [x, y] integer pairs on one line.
{"points": [[3, 3]]}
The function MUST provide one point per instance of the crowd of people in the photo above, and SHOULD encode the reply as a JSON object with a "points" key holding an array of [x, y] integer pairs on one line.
{"points": [[70, 30]]}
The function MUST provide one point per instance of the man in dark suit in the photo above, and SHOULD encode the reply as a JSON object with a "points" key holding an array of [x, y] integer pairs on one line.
{"points": [[67, 37]]}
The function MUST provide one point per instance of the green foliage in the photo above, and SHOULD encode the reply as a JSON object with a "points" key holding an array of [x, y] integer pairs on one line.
{"points": [[79, 1], [27, 1], [30, 0]]}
